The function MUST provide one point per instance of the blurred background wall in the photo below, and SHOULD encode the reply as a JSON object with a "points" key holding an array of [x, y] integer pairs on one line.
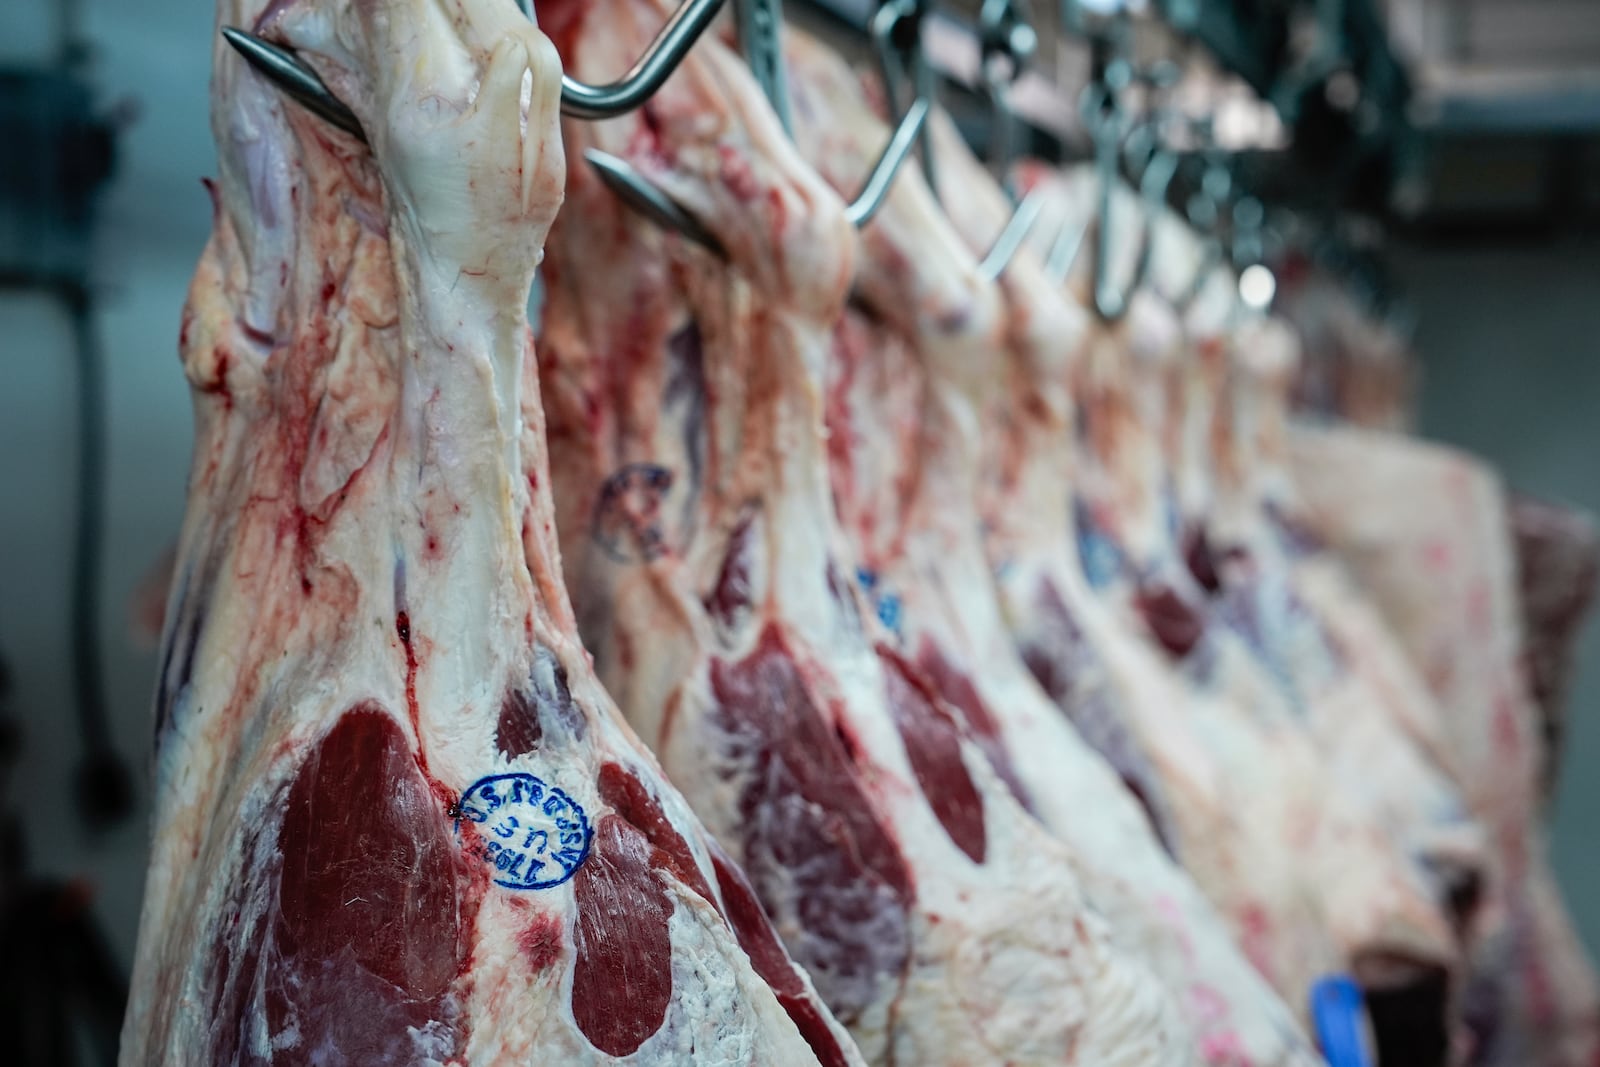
{"points": [[1508, 324]]}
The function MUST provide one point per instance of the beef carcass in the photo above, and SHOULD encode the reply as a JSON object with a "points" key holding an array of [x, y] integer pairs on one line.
{"points": [[938, 921], [1442, 570], [1112, 477], [1558, 567], [397, 820], [912, 367], [1339, 663], [1372, 720]]}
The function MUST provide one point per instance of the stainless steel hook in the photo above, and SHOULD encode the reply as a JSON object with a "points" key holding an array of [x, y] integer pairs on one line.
{"points": [[649, 200], [578, 99], [759, 24], [896, 30], [1105, 121], [1010, 240], [296, 79], [870, 199], [1008, 43], [660, 59]]}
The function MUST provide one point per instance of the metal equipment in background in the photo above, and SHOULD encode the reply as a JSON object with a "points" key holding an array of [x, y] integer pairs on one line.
{"points": [[60, 151]]}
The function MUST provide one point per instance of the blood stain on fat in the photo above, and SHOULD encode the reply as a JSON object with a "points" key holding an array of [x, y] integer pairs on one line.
{"points": [[955, 686], [541, 942], [731, 596]]}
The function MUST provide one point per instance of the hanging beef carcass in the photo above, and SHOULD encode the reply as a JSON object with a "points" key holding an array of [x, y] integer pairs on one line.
{"points": [[938, 921], [1113, 477], [1442, 569], [397, 819], [1558, 569], [914, 362]]}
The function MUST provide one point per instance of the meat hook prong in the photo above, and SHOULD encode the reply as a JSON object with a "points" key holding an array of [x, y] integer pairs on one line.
{"points": [[1009, 242], [295, 78], [648, 199], [871, 197], [660, 59], [580, 100]]}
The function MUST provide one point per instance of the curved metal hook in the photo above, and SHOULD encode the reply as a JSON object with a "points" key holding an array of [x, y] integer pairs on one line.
{"points": [[296, 79], [1110, 302], [1005, 246], [1204, 211], [758, 24], [896, 30], [1008, 43], [870, 199], [581, 100], [1064, 250], [649, 200]]}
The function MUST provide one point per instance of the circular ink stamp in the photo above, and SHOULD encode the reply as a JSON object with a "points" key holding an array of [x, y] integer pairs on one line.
{"points": [[533, 835], [628, 518]]}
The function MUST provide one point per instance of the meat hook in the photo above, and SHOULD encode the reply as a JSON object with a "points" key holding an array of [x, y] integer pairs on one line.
{"points": [[1008, 42], [578, 99], [1205, 211], [1104, 115], [296, 78], [649, 200], [896, 30], [758, 25], [1005, 246], [867, 202]]}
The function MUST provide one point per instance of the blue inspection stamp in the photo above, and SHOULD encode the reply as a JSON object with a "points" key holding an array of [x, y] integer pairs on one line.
{"points": [[534, 836]]}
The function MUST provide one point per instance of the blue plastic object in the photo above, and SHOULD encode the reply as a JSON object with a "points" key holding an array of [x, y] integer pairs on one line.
{"points": [[1336, 1014]]}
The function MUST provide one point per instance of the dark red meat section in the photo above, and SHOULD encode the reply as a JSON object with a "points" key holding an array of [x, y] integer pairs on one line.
{"points": [[1176, 624], [730, 597], [772, 963], [636, 803], [622, 977], [359, 954], [951, 683], [517, 732], [933, 743], [814, 849]]}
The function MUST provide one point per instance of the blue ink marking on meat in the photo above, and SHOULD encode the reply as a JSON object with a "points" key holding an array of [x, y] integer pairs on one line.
{"points": [[534, 836], [889, 612], [1101, 559], [627, 516], [885, 605]]}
